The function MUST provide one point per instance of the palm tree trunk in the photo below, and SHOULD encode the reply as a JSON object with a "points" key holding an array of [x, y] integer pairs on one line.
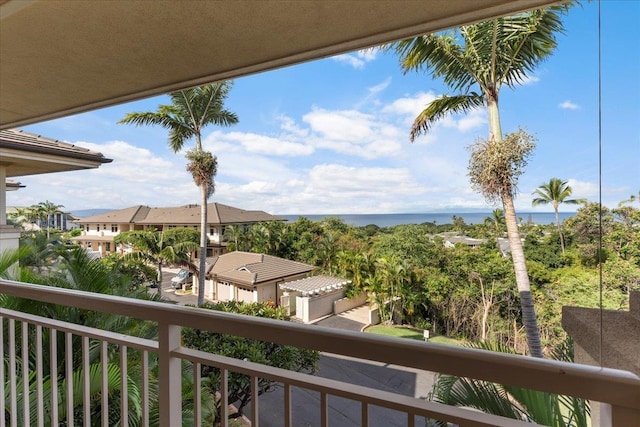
{"points": [[159, 278], [203, 243], [555, 208], [517, 252], [522, 278]]}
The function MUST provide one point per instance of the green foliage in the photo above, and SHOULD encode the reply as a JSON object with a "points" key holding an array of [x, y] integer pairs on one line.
{"points": [[141, 274], [544, 249], [267, 353], [74, 232], [75, 270], [513, 402]]}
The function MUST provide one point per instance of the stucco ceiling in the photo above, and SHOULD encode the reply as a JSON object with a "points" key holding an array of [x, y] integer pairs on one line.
{"points": [[67, 56]]}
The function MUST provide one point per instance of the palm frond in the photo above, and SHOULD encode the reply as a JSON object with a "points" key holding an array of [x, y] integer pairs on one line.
{"points": [[440, 108], [513, 402]]}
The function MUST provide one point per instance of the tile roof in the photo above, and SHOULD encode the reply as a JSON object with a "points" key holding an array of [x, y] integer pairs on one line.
{"points": [[128, 215], [251, 268], [190, 214], [30, 142], [314, 285]]}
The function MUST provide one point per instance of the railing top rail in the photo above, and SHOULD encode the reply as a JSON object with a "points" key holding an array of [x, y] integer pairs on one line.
{"points": [[600, 384], [85, 331], [386, 399]]}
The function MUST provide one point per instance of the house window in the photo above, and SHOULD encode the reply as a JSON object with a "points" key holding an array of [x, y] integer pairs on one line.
{"points": [[114, 228], [171, 226], [97, 227], [108, 246]]}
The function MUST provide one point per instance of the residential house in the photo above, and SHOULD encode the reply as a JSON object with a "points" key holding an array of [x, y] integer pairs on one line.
{"points": [[251, 277], [99, 231]]}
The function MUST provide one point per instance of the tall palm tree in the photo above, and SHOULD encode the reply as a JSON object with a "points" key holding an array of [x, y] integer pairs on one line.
{"points": [[47, 209], [158, 247], [476, 61], [555, 192], [189, 112]]}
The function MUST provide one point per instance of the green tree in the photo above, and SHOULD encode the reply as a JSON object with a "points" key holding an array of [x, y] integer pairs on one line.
{"points": [[555, 192], [496, 221], [486, 56], [161, 247], [190, 111], [46, 209]]}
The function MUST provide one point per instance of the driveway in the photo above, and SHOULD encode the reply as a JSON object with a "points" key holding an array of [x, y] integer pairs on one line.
{"points": [[351, 320], [169, 293]]}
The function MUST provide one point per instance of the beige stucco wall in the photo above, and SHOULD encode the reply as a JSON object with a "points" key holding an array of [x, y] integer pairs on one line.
{"points": [[613, 342], [345, 304]]}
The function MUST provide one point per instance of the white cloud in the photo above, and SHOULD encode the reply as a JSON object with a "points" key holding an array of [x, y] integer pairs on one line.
{"points": [[474, 120], [260, 144], [568, 105], [582, 189], [410, 105], [357, 59], [289, 125], [529, 80], [349, 125], [373, 90]]}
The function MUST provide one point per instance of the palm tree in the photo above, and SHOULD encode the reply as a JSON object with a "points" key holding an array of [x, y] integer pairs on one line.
{"points": [[189, 112], [157, 247], [555, 192], [46, 209], [486, 56]]}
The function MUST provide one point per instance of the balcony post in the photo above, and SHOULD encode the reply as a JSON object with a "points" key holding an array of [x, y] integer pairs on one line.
{"points": [[618, 416], [170, 379]]}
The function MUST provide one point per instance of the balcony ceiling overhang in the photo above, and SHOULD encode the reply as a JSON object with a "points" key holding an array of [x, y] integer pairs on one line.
{"points": [[68, 56]]}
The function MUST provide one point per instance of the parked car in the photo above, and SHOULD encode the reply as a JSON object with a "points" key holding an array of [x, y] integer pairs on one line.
{"points": [[182, 278]]}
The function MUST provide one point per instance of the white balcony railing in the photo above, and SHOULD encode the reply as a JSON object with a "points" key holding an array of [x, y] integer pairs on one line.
{"points": [[618, 390]]}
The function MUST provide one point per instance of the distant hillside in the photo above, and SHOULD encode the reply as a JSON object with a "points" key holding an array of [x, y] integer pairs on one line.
{"points": [[84, 213]]}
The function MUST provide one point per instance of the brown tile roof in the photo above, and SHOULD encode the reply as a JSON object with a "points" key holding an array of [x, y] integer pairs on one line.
{"points": [[188, 215], [217, 214], [128, 215], [251, 269], [30, 142]]}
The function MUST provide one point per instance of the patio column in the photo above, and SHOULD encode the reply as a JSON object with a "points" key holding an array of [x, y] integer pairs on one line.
{"points": [[3, 194]]}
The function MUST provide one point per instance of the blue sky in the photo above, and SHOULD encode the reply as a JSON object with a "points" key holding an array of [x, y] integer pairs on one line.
{"points": [[331, 136]]}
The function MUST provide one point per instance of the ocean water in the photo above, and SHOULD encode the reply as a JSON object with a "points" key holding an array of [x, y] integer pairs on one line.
{"points": [[388, 220]]}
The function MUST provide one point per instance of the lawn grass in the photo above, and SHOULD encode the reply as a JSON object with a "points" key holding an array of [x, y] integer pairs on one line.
{"points": [[408, 332]]}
